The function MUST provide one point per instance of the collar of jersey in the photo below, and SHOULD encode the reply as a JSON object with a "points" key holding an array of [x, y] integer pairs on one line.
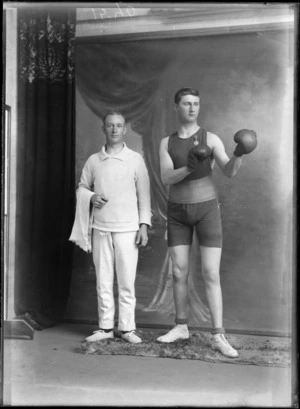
{"points": [[121, 155]]}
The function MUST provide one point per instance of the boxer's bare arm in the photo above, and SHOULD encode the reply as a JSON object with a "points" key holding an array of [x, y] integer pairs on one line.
{"points": [[228, 166], [169, 175]]}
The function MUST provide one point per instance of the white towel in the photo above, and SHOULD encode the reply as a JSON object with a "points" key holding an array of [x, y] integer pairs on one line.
{"points": [[82, 227]]}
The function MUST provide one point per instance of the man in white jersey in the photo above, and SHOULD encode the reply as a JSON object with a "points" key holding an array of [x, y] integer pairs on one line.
{"points": [[186, 160], [122, 213]]}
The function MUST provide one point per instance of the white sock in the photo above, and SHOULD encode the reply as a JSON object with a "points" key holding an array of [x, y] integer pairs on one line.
{"points": [[182, 326]]}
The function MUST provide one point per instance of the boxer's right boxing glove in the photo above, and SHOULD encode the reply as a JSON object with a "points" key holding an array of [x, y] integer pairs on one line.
{"points": [[202, 152], [192, 161], [198, 154]]}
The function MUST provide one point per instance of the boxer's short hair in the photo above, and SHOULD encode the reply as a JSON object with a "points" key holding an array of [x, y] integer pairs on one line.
{"points": [[185, 91]]}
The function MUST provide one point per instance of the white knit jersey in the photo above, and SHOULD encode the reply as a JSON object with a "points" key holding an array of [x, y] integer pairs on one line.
{"points": [[123, 180]]}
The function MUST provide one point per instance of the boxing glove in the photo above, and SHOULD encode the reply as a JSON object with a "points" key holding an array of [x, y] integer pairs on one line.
{"points": [[202, 152], [246, 140], [192, 161], [196, 155]]}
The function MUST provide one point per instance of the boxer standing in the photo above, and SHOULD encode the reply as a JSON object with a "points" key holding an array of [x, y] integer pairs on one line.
{"points": [[186, 161]]}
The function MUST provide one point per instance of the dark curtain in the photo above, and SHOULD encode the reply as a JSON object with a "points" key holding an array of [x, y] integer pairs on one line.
{"points": [[46, 162]]}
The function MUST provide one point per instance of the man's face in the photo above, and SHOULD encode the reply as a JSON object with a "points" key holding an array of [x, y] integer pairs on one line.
{"points": [[188, 108], [114, 129]]}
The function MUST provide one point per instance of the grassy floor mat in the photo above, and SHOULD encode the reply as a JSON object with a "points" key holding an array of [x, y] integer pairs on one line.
{"points": [[262, 351]]}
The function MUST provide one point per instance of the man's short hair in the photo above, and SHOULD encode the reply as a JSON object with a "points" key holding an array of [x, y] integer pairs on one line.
{"points": [[185, 91], [113, 112]]}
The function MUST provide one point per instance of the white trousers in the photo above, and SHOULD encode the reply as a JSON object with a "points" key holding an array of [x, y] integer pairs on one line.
{"points": [[115, 252]]}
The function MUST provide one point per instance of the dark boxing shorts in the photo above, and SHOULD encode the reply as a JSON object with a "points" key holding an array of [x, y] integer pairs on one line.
{"points": [[205, 217]]}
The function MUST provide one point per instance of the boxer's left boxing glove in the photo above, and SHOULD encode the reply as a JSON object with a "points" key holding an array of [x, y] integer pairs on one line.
{"points": [[246, 140]]}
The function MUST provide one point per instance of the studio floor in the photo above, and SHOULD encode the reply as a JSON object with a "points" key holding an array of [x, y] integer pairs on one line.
{"points": [[46, 371]]}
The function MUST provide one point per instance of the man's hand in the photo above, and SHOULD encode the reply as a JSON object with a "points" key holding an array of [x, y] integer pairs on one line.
{"points": [[142, 236], [98, 201]]}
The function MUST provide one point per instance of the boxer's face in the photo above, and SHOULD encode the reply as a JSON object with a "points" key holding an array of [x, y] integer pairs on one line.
{"points": [[188, 108], [114, 129]]}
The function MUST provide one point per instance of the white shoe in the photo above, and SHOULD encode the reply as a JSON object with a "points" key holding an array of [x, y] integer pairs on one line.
{"points": [[220, 344], [131, 337], [176, 333], [100, 335]]}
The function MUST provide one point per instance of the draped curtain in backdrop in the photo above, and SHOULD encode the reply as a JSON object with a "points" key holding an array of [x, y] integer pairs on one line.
{"points": [[46, 162], [139, 79], [128, 77]]}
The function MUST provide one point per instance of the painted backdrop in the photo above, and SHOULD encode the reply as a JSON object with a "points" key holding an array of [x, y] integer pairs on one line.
{"points": [[245, 81]]}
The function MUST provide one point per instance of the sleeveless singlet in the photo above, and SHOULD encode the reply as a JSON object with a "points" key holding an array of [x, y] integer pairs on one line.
{"points": [[198, 186], [179, 148]]}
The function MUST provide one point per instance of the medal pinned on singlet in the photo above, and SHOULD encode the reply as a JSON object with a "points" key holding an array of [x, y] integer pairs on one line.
{"points": [[196, 142]]}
